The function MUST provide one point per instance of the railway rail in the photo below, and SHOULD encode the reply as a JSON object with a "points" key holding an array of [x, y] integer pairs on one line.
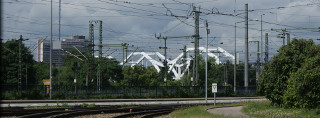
{"points": [[122, 100], [145, 111], [117, 111]]}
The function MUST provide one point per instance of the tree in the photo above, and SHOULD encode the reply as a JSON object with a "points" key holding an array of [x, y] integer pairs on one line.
{"points": [[111, 71], [285, 79], [11, 66], [140, 76], [304, 85], [41, 71]]}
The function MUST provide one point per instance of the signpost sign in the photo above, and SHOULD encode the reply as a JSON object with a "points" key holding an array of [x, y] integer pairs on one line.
{"points": [[214, 91], [214, 88], [46, 82]]}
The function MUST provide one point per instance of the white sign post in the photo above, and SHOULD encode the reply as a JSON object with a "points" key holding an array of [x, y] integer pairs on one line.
{"points": [[214, 91]]}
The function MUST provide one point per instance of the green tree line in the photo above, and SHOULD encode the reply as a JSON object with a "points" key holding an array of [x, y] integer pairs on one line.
{"points": [[113, 74]]}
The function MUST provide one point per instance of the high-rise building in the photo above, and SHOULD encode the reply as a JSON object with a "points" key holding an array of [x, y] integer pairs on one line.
{"points": [[75, 42], [59, 48]]}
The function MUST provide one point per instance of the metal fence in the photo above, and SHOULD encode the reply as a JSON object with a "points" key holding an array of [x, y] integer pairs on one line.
{"points": [[83, 92]]}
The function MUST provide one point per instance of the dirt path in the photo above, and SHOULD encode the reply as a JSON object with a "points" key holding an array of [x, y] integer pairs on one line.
{"points": [[229, 111]]}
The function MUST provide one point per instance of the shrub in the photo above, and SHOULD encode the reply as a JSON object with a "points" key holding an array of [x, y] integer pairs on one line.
{"points": [[304, 86], [292, 69]]}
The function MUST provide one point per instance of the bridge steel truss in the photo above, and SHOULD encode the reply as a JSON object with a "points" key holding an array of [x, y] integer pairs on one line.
{"points": [[175, 64]]}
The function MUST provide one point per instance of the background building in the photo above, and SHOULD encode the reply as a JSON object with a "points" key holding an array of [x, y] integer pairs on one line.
{"points": [[59, 48]]}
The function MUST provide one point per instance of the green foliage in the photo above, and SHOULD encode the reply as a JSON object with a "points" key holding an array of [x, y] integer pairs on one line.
{"points": [[304, 85], [291, 78], [228, 90], [264, 109], [140, 76], [200, 111], [10, 95], [92, 105], [28, 94], [110, 69], [10, 63], [42, 71], [32, 94], [84, 105], [65, 105]]}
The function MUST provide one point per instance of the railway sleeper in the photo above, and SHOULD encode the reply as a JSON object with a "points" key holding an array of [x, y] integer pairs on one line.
{"points": [[140, 113], [45, 114]]}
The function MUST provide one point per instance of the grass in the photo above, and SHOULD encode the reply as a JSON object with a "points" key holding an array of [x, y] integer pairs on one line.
{"points": [[199, 112], [264, 109], [258, 109]]}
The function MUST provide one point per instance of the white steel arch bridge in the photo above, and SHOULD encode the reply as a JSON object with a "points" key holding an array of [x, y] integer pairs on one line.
{"points": [[178, 65]]}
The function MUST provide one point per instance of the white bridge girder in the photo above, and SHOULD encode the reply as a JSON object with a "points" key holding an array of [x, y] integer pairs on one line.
{"points": [[174, 67]]}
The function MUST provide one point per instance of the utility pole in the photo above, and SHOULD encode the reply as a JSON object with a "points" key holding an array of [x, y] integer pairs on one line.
{"points": [[124, 47], [91, 38], [283, 35], [206, 81], [100, 57], [196, 46], [266, 49], [59, 17], [246, 73], [20, 65], [165, 50], [59, 40], [235, 59], [288, 38], [165, 58], [258, 60], [50, 88], [184, 57], [90, 50], [26, 77]]}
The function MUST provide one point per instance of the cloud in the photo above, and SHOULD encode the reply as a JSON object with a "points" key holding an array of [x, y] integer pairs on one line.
{"points": [[136, 21]]}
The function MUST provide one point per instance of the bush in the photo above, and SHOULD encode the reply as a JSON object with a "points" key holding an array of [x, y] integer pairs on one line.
{"points": [[32, 94], [228, 90], [304, 86], [287, 79]]}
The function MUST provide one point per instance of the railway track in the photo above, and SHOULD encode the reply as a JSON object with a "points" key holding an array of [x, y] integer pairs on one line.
{"points": [[143, 111], [122, 100]]}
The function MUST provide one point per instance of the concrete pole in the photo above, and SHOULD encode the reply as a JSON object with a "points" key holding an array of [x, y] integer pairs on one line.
{"points": [[100, 57], [260, 60], [288, 38], [165, 62], [235, 59], [283, 37], [266, 48], [50, 89], [197, 13], [206, 82], [20, 65], [246, 73]]}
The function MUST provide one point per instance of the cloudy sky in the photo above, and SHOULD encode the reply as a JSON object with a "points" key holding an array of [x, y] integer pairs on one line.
{"points": [[136, 21]]}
